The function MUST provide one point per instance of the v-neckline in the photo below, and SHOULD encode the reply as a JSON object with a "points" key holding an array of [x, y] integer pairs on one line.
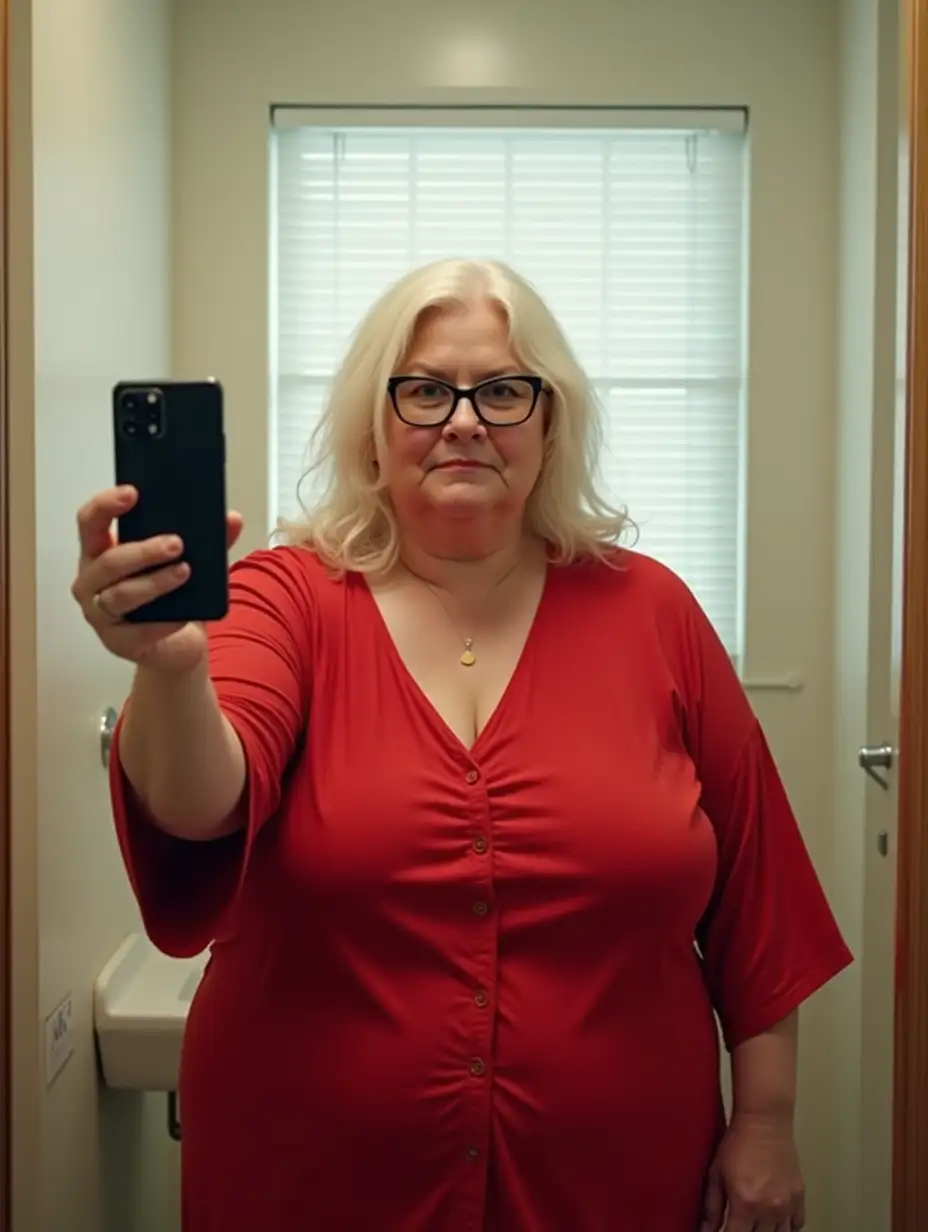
{"points": [[425, 703]]}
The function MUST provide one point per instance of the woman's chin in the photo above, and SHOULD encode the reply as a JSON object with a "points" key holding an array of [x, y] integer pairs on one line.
{"points": [[463, 500]]}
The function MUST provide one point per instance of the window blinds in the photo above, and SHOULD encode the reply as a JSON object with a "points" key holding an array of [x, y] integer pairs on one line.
{"points": [[634, 235]]}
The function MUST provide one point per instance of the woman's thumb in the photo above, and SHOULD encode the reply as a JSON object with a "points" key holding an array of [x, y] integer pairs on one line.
{"points": [[713, 1204], [234, 525]]}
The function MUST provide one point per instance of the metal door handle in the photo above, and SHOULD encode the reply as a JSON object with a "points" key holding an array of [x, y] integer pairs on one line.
{"points": [[107, 728], [877, 757]]}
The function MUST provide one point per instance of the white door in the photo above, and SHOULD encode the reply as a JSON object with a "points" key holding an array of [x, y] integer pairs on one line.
{"points": [[877, 759], [870, 463]]}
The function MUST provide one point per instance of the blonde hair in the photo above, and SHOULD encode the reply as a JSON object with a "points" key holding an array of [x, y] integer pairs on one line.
{"points": [[353, 527]]}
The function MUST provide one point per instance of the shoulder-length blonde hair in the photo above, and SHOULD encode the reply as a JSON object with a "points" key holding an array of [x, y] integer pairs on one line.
{"points": [[352, 526]]}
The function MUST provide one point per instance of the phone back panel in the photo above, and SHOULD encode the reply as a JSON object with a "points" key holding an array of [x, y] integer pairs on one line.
{"points": [[180, 477]]}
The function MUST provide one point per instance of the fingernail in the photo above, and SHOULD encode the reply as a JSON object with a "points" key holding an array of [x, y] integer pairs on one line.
{"points": [[172, 544], [124, 494]]}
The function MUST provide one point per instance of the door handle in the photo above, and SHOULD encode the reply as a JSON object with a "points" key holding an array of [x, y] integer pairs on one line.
{"points": [[107, 730], [877, 757]]}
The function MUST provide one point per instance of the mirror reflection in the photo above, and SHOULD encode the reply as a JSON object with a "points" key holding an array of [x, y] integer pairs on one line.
{"points": [[488, 470]]}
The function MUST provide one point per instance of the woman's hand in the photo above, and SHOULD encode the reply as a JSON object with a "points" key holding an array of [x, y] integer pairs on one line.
{"points": [[755, 1184], [112, 581]]}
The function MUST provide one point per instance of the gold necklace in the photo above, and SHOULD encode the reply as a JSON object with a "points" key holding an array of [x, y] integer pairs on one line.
{"points": [[468, 657]]}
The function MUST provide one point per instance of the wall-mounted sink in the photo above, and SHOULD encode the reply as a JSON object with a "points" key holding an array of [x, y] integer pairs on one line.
{"points": [[141, 999]]}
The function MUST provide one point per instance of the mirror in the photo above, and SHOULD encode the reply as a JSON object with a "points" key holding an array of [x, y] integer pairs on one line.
{"points": [[719, 218]]}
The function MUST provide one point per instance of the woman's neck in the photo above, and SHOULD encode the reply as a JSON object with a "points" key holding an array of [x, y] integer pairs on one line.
{"points": [[467, 568]]}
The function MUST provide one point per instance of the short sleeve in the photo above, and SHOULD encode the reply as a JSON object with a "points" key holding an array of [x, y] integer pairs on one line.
{"points": [[259, 662], [768, 938]]}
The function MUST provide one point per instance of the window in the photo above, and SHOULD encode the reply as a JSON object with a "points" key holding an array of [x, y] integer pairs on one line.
{"points": [[632, 230]]}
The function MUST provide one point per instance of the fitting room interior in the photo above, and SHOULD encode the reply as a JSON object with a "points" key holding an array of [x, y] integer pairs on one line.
{"points": [[156, 158]]}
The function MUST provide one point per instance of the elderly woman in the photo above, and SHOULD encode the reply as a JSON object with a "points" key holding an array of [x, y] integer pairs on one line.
{"points": [[475, 815]]}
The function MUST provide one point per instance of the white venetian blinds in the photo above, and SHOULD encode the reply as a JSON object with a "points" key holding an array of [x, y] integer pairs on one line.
{"points": [[635, 236]]}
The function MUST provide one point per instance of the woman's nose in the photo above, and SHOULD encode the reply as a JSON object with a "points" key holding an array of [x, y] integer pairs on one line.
{"points": [[465, 419]]}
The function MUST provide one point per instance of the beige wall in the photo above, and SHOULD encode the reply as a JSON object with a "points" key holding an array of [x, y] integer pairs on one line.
{"points": [[233, 58], [90, 244], [26, 1137]]}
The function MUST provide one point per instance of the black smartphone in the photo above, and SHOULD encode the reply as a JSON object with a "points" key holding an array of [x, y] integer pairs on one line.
{"points": [[170, 446]]}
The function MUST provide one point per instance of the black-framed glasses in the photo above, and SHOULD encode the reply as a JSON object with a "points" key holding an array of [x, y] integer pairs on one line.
{"points": [[501, 402]]}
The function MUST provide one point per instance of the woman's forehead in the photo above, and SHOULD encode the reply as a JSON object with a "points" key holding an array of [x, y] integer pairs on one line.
{"points": [[475, 334]]}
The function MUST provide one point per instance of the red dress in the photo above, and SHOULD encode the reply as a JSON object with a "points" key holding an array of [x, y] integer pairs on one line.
{"points": [[459, 990]]}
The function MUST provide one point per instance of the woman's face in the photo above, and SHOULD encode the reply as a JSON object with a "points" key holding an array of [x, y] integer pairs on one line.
{"points": [[463, 470]]}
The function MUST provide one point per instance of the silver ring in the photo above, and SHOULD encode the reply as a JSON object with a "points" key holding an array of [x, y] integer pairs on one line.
{"points": [[101, 607]]}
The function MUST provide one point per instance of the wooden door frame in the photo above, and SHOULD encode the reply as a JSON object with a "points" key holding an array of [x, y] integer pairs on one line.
{"points": [[910, 1095], [5, 716]]}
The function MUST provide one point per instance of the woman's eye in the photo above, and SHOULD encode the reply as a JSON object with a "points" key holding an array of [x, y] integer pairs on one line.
{"points": [[427, 390], [501, 390]]}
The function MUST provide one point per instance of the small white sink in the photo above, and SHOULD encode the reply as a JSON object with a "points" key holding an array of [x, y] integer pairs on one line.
{"points": [[141, 1000]]}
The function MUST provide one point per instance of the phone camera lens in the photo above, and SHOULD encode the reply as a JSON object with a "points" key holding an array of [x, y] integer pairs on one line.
{"points": [[141, 413], [154, 413]]}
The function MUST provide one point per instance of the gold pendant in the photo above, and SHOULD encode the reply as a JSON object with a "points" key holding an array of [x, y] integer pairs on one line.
{"points": [[468, 658]]}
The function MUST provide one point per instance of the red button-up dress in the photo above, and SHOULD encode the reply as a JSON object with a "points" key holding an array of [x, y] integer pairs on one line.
{"points": [[475, 989]]}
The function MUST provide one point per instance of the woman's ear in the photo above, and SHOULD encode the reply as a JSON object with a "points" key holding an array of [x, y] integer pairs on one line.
{"points": [[371, 450], [548, 417]]}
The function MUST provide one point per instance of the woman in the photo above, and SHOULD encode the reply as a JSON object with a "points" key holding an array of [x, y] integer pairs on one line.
{"points": [[476, 816]]}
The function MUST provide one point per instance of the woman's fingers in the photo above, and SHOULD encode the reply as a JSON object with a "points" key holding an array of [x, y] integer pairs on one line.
{"points": [[125, 560], [116, 601], [95, 519], [113, 578], [122, 561]]}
